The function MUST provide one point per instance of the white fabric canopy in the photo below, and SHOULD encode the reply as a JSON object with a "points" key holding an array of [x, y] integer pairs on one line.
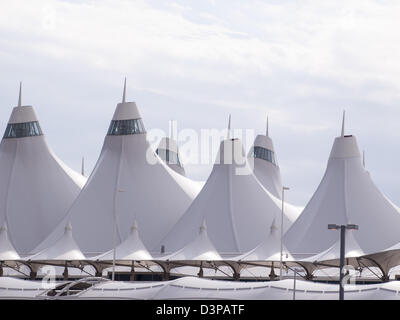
{"points": [[169, 145], [65, 249], [237, 208], [267, 173], [36, 188], [268, 250], [195, 288]]}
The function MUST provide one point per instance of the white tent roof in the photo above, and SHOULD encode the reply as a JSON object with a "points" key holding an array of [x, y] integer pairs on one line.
{"points": [[234, 204], [268, 250], [129, 182], [7, 251], [36, 188], [266, 169], [169, 146], [332, 254], [201, 248], [132, 248], [63, 249], [346, 194]]}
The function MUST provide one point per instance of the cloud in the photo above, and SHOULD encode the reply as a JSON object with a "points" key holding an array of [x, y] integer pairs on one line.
{"points": [[302, 62]]}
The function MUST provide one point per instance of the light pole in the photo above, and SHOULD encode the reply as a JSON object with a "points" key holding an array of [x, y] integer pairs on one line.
{"points": [[115, 233], [283, 202], [342, 229], [295, 270]]}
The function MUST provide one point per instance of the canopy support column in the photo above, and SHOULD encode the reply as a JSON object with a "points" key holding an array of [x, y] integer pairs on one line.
{"points": [[33, 275], [272, 274], [132, 275], [65, 273]]}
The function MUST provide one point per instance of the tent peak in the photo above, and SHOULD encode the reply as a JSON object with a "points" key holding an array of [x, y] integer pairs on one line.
{"points": [[274, 228], [124, 92], [363, 159], [3, 227], [229, 128], [203, 226], [20, 94], [68, 227]]}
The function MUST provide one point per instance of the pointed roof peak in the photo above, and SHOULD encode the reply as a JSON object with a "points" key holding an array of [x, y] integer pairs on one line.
{"points": [[83, 166], [20, 94], [267, 131], [274, 228], [68, 227], [343, 119], [363, 158], [229, 127], [3, 227], [203, 227], [124, 92], [134, 227], [172, 127]]}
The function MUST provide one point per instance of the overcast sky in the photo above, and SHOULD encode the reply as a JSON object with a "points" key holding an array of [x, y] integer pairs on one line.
{"points": [[302, 62]]}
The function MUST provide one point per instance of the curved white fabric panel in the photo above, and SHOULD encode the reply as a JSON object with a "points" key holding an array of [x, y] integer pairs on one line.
{"points": [[7, 251], [200, 248], [345, 195], [234, 204]]}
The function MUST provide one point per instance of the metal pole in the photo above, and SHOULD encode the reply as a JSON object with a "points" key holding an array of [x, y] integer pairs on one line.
{"points": [[115, 237], [280, 267], [342, 254]]}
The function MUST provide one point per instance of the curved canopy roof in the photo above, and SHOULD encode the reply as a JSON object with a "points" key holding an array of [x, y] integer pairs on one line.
{"points": [[167, 150], [346, 194], [64, 249], [234, 204], [129, 182], [132, 248], [36, 188], [7, 251]]}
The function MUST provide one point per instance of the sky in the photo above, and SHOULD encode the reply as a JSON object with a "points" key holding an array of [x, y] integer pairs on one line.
{"points": [[196, 62]]}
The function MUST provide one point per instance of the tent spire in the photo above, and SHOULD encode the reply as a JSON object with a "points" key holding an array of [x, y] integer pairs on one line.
{"points": [[203, 226], [172, 129], [267, 133], [3, 227], [20, 94], [83, 166], [363, 158], [273, 226], [229, 127], [344, 115], [124, 93]]}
